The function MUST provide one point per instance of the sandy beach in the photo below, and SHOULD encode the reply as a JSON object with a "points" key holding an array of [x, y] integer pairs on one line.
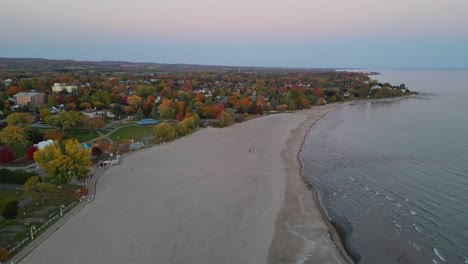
{"points": [[231, 195]]}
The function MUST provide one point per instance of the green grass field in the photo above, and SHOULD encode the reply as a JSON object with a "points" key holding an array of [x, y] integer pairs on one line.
{"points": [[81, 134], [132, 132]]}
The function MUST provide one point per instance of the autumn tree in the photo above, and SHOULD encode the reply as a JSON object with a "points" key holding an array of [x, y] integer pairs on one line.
{"points": [[38, 190], [64, 160], [19, 119], [6, 154], [182, 128], [13, 90], [164, 131], [92, 124], [13, 135], [226, 118], [134, 101], [166, 109], [53, 134], [30, 152]]}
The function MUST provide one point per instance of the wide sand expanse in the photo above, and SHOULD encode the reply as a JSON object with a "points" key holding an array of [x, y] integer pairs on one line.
{"points": [[211, 197]]}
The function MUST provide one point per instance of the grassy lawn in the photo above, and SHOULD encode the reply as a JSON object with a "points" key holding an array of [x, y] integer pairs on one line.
{"points": [[14, 230], [20, 151], [136, 133], [82, 135]]}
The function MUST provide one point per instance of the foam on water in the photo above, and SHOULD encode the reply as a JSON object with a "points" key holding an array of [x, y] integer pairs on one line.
{"points": [[439, 254], [417, 228]]}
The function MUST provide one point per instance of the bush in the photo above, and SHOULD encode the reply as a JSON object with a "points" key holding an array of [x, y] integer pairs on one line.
{"points": [[10, 209], [14, 177], [164, 131], [225, 119], [96, 151], [4, 254], [182, 128], [6, 154]]}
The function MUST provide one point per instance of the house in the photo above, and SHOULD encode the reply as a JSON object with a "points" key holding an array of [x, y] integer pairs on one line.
{"points": [[31, 99], [58, 87]]}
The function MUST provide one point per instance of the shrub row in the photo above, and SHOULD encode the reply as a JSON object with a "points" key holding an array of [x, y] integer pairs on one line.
{"points": [[14, 176]]}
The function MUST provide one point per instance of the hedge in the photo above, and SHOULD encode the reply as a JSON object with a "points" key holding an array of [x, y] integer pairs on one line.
{"points": [[14, 176]]}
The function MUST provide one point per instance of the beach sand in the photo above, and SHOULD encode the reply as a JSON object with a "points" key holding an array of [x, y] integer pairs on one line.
{"points": [[231, 195]]}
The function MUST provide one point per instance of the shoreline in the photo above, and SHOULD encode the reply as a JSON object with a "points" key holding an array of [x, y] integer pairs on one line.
{"points": [[303, 232], [279, 251]]}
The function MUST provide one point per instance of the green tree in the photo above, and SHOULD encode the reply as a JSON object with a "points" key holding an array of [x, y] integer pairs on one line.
{"points": [[140, 114], [13, 135], [196, 119], [145, 90], [154, 112], [100, 98], [39, 190], [19, 119], [10, 209], [164, 131], [63, 161], [65, 120]]}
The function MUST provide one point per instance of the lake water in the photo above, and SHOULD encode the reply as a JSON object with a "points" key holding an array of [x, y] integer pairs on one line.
{"points": [[393, 176]]}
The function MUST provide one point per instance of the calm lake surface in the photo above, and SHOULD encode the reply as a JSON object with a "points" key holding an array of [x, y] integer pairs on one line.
{"points": [[393, 176]]}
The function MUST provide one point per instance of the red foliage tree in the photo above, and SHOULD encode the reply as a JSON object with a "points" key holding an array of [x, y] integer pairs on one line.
{"points": [[13, 90], [180, 116], [30, 152], [318, 91], [6, 154], [218, 108]]}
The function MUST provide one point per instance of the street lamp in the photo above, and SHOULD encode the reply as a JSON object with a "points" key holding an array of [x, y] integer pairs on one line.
{"points": [[62, 206], [33, 228]]}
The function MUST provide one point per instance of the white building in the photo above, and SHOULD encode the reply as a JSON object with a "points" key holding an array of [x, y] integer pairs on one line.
{"points": [[58, 87]]}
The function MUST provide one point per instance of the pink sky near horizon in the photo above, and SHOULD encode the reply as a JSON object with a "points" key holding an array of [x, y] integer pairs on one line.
{"points": [[241, 19]]}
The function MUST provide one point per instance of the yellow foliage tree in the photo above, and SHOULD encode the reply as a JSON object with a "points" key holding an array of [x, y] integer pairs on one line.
{"points": [[13, 135], [63, 161], [19, 119]]}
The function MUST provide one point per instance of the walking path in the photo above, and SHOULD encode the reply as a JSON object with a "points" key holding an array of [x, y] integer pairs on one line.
{"points": [[97, 172]]}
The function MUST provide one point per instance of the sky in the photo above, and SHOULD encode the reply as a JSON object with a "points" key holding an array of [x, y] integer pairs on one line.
{"points": [[288, 33]]}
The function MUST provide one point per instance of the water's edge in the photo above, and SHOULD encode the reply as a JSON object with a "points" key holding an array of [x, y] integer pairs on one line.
{"points": [[337, 233]]}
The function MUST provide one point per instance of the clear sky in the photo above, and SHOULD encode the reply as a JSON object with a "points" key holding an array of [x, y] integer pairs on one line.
{"points": [[289, 33]]}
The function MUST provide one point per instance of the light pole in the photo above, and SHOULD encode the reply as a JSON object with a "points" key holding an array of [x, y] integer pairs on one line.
{"points": [[33, 228], [62, 206]]}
